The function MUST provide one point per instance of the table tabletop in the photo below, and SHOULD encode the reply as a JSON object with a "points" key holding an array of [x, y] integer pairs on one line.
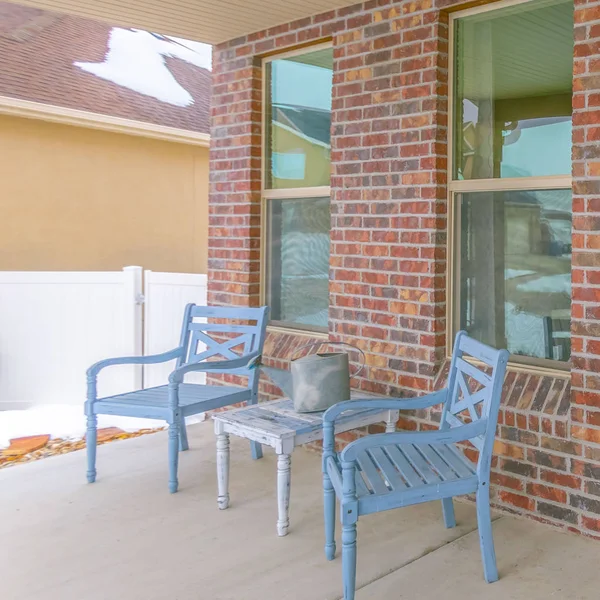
{"points": [[275, 421]]}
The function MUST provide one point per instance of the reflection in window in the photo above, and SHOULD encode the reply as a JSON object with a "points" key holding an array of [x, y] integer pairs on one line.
{"points": [[298, 261], [514, 84], [298, 120], [291, 165], [515, 270]]}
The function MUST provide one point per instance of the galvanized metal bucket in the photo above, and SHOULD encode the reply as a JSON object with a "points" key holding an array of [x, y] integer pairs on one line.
{"points": [[316, 381]]}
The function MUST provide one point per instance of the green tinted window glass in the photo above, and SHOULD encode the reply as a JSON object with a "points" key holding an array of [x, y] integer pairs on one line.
{"points": [[298, 262], [515, 270], [298, 119], [513, 91]]}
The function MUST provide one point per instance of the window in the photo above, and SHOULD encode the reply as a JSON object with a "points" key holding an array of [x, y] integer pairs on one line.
{"points": [[296, 177], [510, 190]]}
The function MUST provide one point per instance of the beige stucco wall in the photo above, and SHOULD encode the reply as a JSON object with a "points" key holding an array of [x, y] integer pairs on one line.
{"points": [[80, 199]]}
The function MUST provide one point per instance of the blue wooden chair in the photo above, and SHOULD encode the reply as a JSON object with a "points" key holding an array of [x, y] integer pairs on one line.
{"points": [[389, 470], [177, 400]]}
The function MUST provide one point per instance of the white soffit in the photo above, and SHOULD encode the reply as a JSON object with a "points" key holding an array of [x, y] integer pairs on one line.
{"points": [[208, 21]]}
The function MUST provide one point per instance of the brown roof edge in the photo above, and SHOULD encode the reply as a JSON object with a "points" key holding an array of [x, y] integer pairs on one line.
{"points": [[80, 118]]}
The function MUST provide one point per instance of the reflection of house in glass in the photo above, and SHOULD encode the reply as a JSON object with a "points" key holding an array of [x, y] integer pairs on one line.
{"points": [[301, 136], [304, 261], [521, 241], [538, 241]]}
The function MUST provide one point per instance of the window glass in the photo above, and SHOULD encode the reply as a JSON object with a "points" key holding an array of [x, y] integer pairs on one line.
{"points": [[298, 261], [513, 89], [298, 143], [515, 270]]}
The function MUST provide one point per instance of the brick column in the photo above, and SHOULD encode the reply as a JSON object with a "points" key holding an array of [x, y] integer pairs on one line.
{"points": [[389, 193], [585, 411], [234, 198]]}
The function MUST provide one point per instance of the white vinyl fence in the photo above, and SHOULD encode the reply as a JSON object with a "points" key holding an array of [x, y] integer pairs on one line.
{"points": [[166, 295], [54, 325]]}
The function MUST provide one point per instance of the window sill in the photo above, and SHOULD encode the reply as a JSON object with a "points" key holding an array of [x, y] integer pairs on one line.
{"points": [[528, 369], [321, 335]]}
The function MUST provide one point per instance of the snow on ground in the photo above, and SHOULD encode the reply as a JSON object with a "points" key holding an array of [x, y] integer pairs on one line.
{"points": [[136, 60], [550, 284], [67, 422]]}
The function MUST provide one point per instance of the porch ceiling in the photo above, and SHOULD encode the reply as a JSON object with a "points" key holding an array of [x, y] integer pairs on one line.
{"points": [[209, 21]]}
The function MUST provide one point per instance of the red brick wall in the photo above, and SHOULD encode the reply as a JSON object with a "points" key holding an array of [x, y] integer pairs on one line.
{"points": [[388, 182], [389, 206]]}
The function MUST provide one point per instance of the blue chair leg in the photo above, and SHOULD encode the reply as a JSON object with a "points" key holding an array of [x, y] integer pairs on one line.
{"points": [[256, 450], [173, 453], [486, 540], [448, 511], [90, 443], [183, 439], [349, 560], [329, 511]]}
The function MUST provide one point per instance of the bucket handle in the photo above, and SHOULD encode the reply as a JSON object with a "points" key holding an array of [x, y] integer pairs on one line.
{"points": [[318, 344]]}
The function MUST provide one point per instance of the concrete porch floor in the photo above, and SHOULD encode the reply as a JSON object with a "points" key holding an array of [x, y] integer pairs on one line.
{"points": [[126, 537]]}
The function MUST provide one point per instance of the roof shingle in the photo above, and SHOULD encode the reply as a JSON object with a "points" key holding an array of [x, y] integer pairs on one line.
{"points": [[38, 52]]}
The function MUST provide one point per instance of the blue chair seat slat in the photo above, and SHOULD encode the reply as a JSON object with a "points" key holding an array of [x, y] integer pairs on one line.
{"points": [[155, 405], [335, 472], [361, 487], [419, 463], [373, 476], [189, 393], [436, 463], [456, 459], [387, 468], [403, 465]]}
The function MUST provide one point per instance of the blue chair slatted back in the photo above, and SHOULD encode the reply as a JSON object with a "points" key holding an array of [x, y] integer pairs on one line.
{"points": [[223, 340], [474, 392]]}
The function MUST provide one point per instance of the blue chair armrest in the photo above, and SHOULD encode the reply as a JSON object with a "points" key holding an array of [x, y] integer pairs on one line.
{"points": [[217, 365], [443, 436], [331, 414], [135, 360]]}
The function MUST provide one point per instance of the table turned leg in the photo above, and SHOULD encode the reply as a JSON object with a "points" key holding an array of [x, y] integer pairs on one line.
{"points": [[284, 472], [223, 470]]}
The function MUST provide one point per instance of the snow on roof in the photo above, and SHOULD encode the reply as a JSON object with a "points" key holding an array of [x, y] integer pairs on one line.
{"points": [[135, 59], [79, 63]]}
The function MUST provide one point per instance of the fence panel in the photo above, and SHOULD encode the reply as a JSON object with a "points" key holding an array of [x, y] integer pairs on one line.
{"points": [[166, 295], [54, 325]]}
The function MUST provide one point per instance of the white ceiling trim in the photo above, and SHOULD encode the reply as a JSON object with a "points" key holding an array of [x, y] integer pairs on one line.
{"points": [[209, 21]]}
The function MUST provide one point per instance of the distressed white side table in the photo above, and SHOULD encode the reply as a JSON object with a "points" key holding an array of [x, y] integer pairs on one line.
{"points": [[278, 425]]}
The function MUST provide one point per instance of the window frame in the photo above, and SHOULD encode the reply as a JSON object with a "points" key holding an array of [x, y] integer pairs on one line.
{"points": [[267, 194], [455, 187]]}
